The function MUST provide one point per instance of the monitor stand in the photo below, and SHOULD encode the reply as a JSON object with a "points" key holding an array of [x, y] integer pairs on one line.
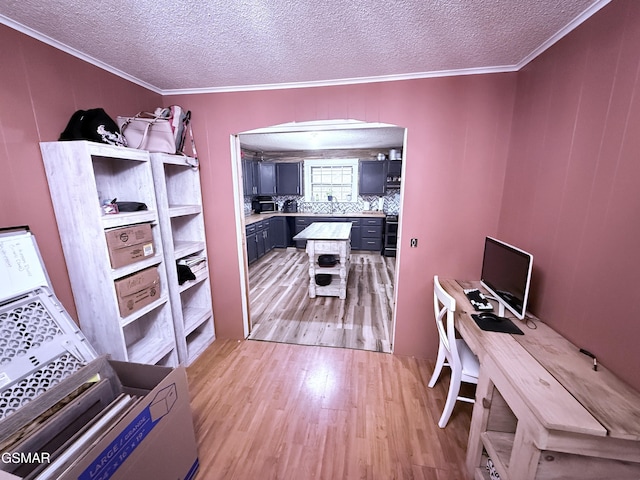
{"points": [[501, 310]]}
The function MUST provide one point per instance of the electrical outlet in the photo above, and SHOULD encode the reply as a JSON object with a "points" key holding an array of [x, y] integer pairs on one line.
{"points": [[414, 242]]}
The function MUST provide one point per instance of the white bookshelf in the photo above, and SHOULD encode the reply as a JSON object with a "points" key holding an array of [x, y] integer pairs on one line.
{"points": [[81, 175], [179, 199]]}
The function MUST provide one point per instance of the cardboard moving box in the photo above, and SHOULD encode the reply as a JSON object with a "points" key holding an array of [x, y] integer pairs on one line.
{"points": [[129, 244], [130, 421], [66, 414], [137, 290]]}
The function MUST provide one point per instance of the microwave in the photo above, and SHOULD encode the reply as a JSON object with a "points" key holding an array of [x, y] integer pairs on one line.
{"points": [[261, 205]]}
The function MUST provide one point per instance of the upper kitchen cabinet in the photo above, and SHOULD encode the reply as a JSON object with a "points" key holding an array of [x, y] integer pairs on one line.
{"points": [[394, 173], [249, 176], [373, 177], [266, 178], [289, 178]]}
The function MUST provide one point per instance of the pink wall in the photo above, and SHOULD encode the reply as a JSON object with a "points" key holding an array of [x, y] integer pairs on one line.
{"points": [[571, 193], [458, 131], [40, 87]]}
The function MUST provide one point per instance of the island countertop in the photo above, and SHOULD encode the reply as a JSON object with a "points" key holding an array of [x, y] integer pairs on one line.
{"points": [[325, 231]]}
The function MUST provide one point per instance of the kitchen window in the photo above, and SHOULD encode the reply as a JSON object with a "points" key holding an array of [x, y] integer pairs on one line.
{"points": [[331, 180]]}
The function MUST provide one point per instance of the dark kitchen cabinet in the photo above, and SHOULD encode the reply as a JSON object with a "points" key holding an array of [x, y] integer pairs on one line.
{"points": [[371, 234], [249, 176], [279, 232], [373, 177], [252, 244], [289, 178], [267, 238], [394, 174], [266, 178], [366, 233], [264, 236]]}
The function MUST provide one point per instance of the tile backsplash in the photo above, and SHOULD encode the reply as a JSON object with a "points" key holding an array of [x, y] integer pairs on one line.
{"points": [[390, 202]]}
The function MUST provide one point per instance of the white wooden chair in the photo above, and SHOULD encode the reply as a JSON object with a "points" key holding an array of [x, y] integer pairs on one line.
{"points": [[452, 352]]}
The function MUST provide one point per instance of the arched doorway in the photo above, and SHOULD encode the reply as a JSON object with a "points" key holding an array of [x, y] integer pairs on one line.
{"points": [[275, 284]]}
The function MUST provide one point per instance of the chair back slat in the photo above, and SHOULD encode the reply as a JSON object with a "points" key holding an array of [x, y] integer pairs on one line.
{"points": [[445, 307]]}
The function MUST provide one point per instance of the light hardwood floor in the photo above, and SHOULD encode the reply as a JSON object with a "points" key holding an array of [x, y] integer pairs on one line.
{"points": [[281, 310], [267, 410]]}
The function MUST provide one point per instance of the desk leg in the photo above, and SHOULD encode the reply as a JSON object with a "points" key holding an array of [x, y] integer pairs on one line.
{"points": [[524, 454], [479, 421]]}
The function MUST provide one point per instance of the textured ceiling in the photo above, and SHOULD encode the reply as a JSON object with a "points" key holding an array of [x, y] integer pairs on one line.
{"points": [[217, 45]]}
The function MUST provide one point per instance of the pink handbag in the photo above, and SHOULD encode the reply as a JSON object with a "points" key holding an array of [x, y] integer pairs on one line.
{"points": [[147, 131], [162, 131]]}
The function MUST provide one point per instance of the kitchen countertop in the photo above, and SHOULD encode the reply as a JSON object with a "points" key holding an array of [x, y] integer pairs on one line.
{"points": [[256, 217]]}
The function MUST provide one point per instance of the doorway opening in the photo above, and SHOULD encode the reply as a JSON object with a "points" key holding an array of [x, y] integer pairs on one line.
{"points": [[282, 174]]}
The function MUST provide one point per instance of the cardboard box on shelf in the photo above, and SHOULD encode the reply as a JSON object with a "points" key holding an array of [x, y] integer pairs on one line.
{"points": [[129, 244], [137, 290]]}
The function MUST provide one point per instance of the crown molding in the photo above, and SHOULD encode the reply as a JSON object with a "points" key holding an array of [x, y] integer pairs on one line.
{"points": [[344, 81]]}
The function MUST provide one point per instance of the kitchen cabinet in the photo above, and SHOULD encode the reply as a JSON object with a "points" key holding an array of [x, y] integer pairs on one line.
{"points": [[266, 178], [371, 234], [267, 239], [279, 232], [259, 240], [289, 178], [81, 175], [271, 178], [372, 177], [252, 244], [250, 176], [366, 232], [394, 174]]}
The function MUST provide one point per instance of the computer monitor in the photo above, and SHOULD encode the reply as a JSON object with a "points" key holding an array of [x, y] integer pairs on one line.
{"points": [[506, 274]]}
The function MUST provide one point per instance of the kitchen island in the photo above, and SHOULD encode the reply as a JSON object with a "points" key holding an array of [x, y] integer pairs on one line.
{"points": [[328, 238]]}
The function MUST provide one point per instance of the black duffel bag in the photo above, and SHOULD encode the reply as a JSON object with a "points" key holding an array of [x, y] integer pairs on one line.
{"points": [[93, 125]]}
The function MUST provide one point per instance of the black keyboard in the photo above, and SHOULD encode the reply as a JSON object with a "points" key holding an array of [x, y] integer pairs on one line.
{"points": [[478, 301]]}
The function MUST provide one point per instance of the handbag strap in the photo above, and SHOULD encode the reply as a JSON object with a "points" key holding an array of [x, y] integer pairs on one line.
{"points": [[195, 164]]}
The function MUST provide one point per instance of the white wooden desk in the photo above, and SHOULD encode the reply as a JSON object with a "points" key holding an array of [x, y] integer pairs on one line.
{"points": [[541, 411], [328, 238]]}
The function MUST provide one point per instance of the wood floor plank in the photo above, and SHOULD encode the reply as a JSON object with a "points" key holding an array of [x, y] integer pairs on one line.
{"points": [[281, 310], [267, 410]]}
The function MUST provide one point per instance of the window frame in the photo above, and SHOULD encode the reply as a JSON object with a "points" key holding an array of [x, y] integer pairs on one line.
{"points": [[308, 164]]}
